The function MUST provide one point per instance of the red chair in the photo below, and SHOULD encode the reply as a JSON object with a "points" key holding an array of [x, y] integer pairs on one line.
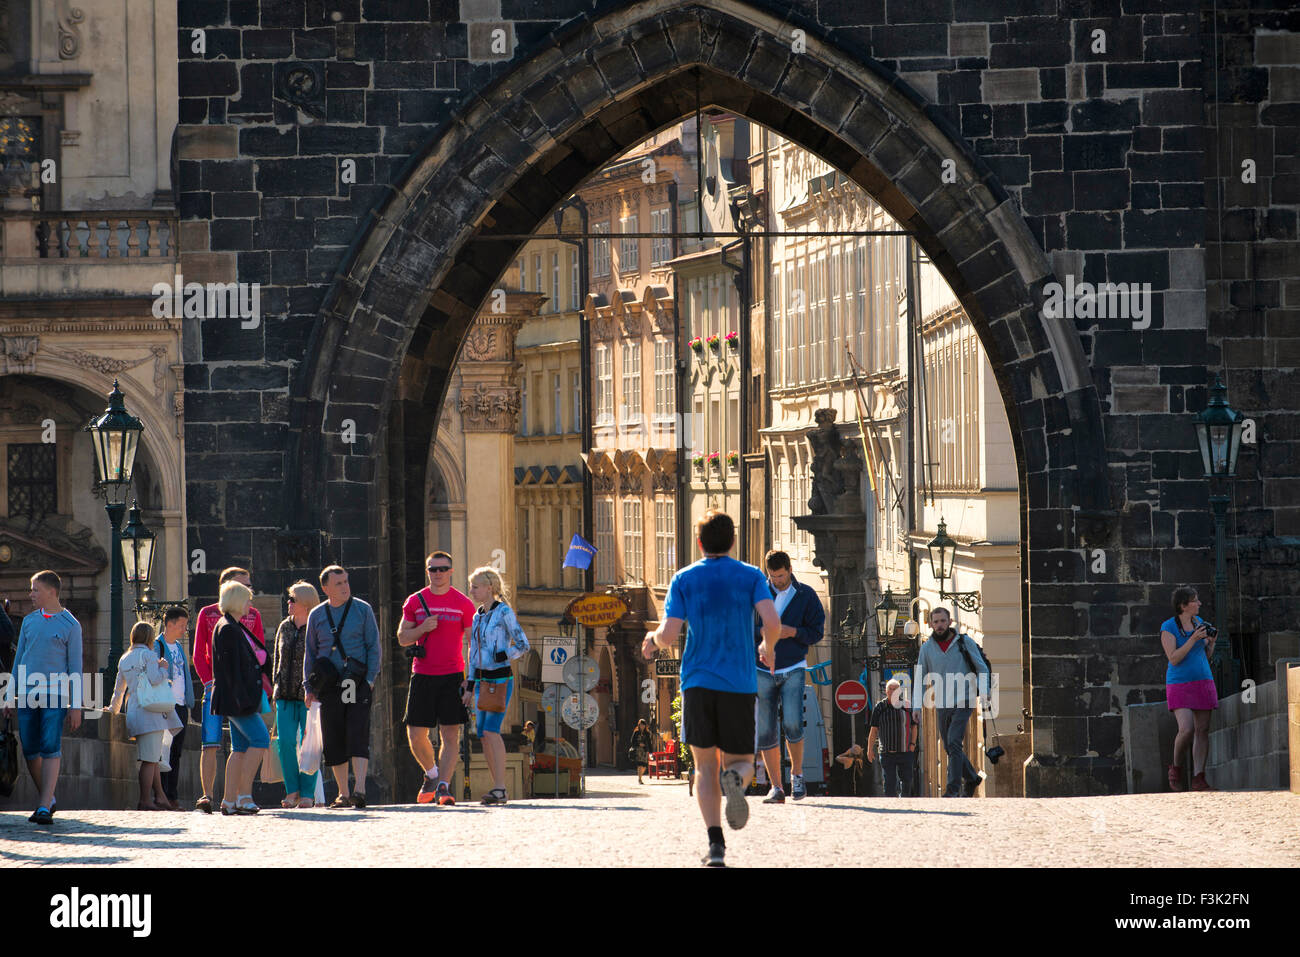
{"points": [[663, 764]]}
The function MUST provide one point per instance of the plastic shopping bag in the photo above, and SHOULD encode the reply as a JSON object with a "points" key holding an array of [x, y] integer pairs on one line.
{"points": [[313, 743], [165, 763]]}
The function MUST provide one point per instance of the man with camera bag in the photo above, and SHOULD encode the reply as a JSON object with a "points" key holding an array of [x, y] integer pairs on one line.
{"points": [[339, 670], [957, 670], [435, 625]]}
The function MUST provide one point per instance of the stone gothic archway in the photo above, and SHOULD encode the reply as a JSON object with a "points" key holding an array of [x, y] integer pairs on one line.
{"points": [[406, 299]]}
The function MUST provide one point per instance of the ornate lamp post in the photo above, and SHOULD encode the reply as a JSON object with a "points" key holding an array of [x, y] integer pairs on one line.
{"points": [[886, 615], [942, 548], [138, 549], [1218, 433], [116, 434]]}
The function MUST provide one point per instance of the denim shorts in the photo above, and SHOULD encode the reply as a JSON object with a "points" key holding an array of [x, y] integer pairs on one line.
{"points": [[41, 731], [489, 722], [210, 722], [247, 732], [787, 690]]}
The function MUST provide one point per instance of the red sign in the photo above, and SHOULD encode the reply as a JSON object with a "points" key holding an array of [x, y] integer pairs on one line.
{"points": [[851, 696]]}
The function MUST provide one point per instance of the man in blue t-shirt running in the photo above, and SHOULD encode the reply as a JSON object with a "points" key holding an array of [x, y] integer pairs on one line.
{"points": [[717, 596]]}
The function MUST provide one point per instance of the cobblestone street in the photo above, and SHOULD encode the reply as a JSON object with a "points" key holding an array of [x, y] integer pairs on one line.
{"points": [[622, 823]]}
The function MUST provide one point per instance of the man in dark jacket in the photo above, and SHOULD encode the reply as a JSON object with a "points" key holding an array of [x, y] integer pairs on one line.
{"points": [[802, 623]]}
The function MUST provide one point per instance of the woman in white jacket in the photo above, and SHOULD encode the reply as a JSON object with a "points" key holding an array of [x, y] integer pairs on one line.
{"points": [[146, 727], [496, 639]]}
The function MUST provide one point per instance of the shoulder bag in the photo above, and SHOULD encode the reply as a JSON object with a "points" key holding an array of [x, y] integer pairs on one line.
{"points": [[157, 699], [491, 693], [325, 677]]}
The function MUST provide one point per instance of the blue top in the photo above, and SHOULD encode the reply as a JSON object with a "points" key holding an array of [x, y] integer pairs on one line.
{"points": [[1196, 665], [716, 598], [47, 667], [358, 637]]}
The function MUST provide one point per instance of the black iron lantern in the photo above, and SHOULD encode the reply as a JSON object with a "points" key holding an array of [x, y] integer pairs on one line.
{"points": [[1218, 431], [941, 549], [137, 550], [886, 615], [115, 434]]}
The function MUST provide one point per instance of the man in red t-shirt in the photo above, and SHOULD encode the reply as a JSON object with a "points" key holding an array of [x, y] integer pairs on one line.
{"points": [[436, 623], [202, 658]]}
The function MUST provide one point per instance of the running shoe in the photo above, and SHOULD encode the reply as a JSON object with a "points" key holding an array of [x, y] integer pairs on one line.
{"points": [[775, 796], [733, 789], [42, 816], [797, 790], [444, 795], [717, 856], [428, 791]]}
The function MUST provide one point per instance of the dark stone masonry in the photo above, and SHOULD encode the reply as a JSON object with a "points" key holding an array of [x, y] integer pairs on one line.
{"points": [[346, 154]]}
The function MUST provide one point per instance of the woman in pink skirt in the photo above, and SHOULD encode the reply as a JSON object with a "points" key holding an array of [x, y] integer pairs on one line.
{"points": [[1189, 686]]}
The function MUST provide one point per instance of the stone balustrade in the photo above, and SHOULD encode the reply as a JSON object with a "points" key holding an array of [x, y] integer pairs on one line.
{"points": [[97, 235]]}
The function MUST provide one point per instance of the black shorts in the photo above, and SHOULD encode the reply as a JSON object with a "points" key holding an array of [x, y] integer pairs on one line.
{"points": [[432, 700], [345, 728], [718, 719]]}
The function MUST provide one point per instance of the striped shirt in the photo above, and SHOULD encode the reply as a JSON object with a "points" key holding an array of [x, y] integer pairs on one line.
{"points": [[894, 725]]}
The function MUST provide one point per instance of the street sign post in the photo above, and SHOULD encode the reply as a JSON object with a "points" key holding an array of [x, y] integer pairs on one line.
{"points": [[555, 653], [581, 674], [851, 698], [579, 711], [590, 610]]}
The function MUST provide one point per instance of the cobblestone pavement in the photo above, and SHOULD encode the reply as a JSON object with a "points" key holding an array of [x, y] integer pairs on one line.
{"points": [[621, 823]]}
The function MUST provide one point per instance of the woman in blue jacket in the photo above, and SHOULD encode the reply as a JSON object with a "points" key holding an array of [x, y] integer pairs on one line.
{"points": [[496, 639]]}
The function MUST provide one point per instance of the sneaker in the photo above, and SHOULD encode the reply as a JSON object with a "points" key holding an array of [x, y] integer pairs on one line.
{"points": [[775, 796], [428, 791], [717, 856], [444, 795], [1198, 784], [495, 796], [797, 790], [733, 789], [968, 788]]}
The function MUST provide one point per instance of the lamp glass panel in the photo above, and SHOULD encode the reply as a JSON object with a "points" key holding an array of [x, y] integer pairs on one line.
{"points": [[1202, 440], [131, 439], [98, 440], [1234, 446], [1219, 440]]}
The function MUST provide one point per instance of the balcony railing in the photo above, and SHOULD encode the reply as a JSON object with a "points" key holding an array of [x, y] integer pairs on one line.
{"points": [[98, 235]]}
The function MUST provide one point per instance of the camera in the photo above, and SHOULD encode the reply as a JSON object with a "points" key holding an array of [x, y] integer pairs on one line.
{"points": [[1210, 630], [414, 651], [994, 753]]}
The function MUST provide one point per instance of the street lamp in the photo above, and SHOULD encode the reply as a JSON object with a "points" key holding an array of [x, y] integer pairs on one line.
{"points": [[115, 434], [137, 550], [886, 615], [942, 549], [1218, 432]]}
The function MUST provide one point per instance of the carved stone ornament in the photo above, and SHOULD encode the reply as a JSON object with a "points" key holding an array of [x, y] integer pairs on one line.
{"points": [[69, 34], [481, 345], [18, 354], [490, 409], [602, 328]]}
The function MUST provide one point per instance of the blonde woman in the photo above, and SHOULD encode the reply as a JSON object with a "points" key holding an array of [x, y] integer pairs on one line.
{"points": [[290, 708], [495, 640], [146, 727], [237, 694]]}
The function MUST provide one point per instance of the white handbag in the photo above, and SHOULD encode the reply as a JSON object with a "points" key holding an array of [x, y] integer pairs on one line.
{"points": [[155, 698]]}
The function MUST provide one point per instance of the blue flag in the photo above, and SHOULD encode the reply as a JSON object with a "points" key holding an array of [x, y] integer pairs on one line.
{"points": [[580, 553]]}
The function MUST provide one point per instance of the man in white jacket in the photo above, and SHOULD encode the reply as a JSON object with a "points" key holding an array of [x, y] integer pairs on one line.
{"points": [[960, 677]]}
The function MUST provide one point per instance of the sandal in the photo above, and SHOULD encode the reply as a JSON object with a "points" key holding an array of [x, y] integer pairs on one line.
{"points": [[305, 803], [495, 796], [204, 804], [342, 801], [43, 816], [227, 808], [359, 799], [285, 803]]}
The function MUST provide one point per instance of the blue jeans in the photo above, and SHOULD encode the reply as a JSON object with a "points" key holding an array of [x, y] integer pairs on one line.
{"points": [[895, 765], [41, 732], [952, 729], [248, 731], [489, 722], [290, 724], [787, 689]]}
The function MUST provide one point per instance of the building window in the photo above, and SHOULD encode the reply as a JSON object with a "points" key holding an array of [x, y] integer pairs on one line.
{"points": [[523, 405], [665, 540], [776, 337], [33, 485], [604, 385], [575, 386], [557, 420], [600, 250], [661, 247], [665, 379], [793, 304], [604, 541], [537, 273], [525, 546], [632, 382], [834, 359], [629, 248], [575, 274], [861, 329], [817, 335], [633, 543], [539, 405]]}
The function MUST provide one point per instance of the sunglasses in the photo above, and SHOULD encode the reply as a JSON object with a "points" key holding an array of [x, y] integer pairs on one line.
{"points": [[439, 568], [292, 600]]}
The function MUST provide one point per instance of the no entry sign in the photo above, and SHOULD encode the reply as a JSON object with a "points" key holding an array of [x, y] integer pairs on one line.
{"points": [[850, 696]]}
